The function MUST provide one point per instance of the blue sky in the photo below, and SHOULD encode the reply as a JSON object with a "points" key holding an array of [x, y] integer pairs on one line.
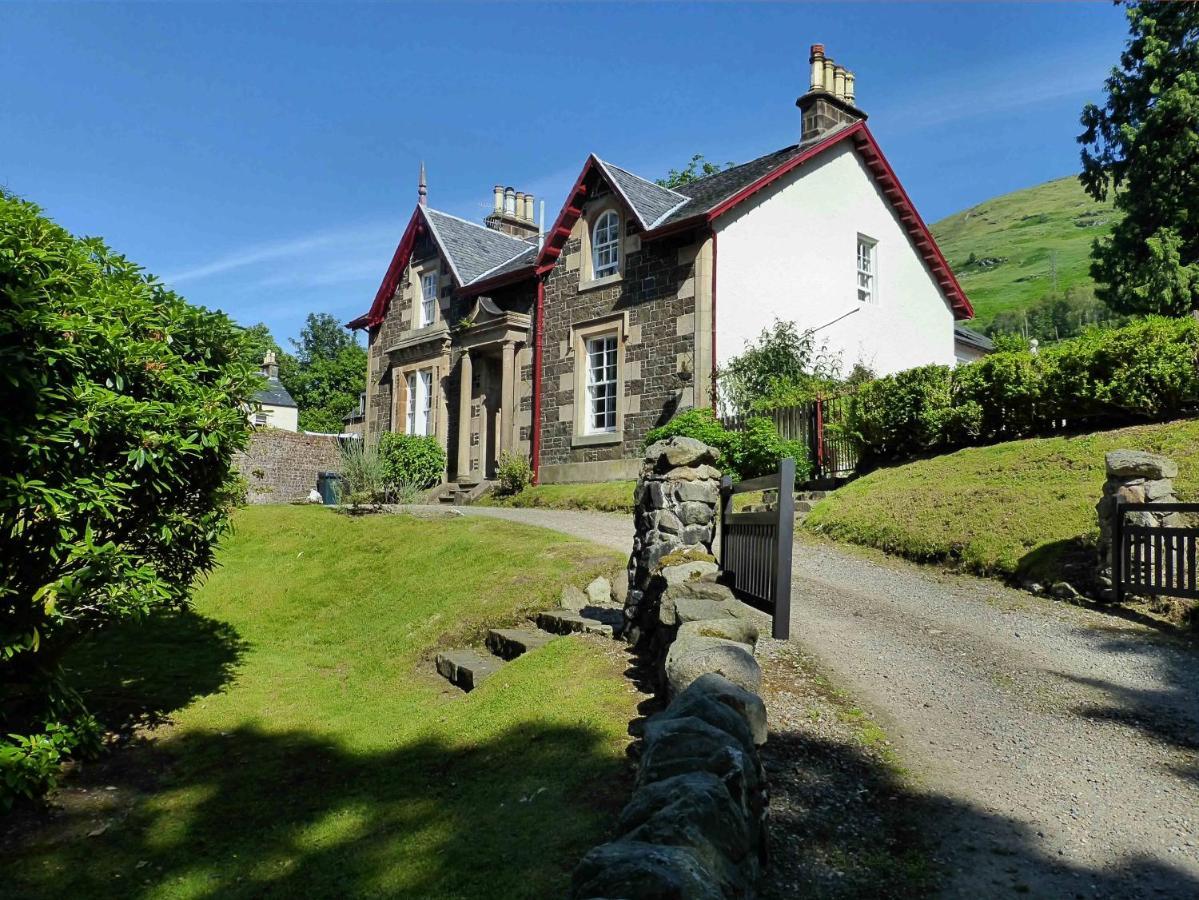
{"points": [[263, 158]]}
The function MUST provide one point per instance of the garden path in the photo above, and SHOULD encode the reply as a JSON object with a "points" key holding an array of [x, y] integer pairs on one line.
{"points": [[1053, 749]]}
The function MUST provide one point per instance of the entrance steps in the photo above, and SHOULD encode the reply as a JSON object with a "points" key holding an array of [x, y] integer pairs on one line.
{"points": [[452, 493], [468, 667]]}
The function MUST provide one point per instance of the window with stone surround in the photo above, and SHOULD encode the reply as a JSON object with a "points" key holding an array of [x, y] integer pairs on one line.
{"points": [[867, 269], [420, 392], [605, 245], [601, 384], [428, 298], [597, 348]]}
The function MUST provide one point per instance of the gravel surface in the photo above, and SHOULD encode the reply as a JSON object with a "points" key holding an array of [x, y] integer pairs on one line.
{"points": [[1053, 750]]}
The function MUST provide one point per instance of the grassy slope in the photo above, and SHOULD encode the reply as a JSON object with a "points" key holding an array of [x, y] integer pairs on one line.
{"points": [[1024, 508], [315, 754], [608, 496], [1024, 228]]}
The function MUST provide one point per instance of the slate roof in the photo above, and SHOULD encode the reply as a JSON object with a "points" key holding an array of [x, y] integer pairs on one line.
{"points": [[650, 202], [473, 250], [275, 394], [973, 338]]}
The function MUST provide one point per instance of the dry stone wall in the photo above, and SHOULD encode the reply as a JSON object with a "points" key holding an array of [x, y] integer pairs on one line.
{"points": [[282, 466], [696, 826]]}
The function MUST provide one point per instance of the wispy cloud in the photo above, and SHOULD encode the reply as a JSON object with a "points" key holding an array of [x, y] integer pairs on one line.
{"points": [[300, 259], [1017, 85]]}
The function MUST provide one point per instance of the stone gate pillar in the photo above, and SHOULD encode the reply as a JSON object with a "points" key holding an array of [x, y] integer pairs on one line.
{"points": [[1133, 476], [675, 510]]}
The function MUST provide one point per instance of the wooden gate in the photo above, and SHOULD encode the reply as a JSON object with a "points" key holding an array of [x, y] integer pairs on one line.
{"points": [[755, 547], [1153, 561]]}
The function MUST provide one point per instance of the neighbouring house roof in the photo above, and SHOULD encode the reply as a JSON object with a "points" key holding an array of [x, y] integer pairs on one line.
{"points": [[472, 251], [964, 335], [275, 394]]}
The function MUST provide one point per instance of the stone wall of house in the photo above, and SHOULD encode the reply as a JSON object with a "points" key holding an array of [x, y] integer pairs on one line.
{"points": [[282, 466], [656, 293], [1133, 476], [697, 822]]}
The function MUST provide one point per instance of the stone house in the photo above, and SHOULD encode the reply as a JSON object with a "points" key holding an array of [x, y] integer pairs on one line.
{"points": [[578, 340]]}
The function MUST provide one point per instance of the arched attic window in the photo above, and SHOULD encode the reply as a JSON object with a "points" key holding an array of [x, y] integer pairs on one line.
{"points": [[605, 245]]}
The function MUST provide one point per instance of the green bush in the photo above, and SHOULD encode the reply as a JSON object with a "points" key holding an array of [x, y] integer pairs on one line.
{"points": [[513, 474], [1146, 371], [743, 454], [411, 461], [123, 408]]}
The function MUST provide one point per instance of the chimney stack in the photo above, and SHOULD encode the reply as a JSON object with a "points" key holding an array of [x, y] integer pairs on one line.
{"points": [[270, 366], [512, 213], [829, 102]]}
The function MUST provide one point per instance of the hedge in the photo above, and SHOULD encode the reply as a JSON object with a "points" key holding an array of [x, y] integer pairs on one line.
{"points": [[1143, 372]]}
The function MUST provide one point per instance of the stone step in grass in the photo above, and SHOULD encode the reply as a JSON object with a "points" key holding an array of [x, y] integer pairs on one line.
{"points": [[602, 620], [466, 668], [509, 643]]}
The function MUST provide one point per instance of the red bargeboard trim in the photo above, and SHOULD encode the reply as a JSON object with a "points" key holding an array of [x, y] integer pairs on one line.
{"points": [[391, 279]]}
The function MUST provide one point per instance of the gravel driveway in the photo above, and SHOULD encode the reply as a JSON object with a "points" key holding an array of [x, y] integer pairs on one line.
{"points": [[1057, 748]]}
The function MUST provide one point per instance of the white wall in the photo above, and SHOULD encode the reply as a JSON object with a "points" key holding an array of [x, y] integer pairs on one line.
{"points": [[285, 417], [791, 252]]}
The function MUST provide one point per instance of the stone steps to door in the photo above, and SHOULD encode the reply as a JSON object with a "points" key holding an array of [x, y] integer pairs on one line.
{"points": [[467, 667]]}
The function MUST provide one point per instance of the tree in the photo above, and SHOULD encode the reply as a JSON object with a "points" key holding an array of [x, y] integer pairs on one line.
{"points": [[696, 169], [123, 408], [322, 337], [326, 374], [1142, 147], [258, 341], [784, 366]]}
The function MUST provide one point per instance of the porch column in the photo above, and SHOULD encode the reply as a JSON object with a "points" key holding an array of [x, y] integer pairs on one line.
{"points": [[465, 387], [441, 377], [507, 385]]}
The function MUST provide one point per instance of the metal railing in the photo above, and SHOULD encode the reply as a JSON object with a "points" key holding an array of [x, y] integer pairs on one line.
{"points": [[755, 547]]}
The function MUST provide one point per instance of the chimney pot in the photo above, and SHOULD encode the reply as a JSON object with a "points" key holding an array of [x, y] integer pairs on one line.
{"points": [[839, 82], [499, 198], [817, 61], [830, 69], [528, 215], [849, 89], [509, 200]]}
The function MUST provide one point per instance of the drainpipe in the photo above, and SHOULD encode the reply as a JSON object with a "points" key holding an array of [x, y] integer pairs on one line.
{"points": [[715, 411], [538, 325]]}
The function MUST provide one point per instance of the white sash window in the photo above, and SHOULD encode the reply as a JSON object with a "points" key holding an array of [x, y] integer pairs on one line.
{"points": [[605, 245], [601, 384], [420, 398], [428, 298], [867, 270]]}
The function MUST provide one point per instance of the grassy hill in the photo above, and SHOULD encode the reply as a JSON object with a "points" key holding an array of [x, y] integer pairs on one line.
{"points": [[1019, 510], [1017, 239]]}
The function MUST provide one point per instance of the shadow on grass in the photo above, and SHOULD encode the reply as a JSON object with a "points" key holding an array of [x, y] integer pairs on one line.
{"points": [[249, 814], [1071, 560], [845, 825], [138, 673]]}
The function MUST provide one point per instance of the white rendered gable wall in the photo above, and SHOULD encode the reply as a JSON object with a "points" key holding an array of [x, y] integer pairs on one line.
{"points": [[790, 252]]}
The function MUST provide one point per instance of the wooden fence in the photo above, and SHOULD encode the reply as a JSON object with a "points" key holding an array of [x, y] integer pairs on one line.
{"points": [[1155, 561], [818, 425]]}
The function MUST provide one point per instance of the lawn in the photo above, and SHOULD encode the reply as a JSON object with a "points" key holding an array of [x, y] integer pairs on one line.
{"points": [[605, 496], [1022, 509], [311, 751]]}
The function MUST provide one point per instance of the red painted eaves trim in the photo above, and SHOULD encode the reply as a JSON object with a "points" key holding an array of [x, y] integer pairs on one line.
{"points": [[877, 163], [571, 210], [391, 280]]}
